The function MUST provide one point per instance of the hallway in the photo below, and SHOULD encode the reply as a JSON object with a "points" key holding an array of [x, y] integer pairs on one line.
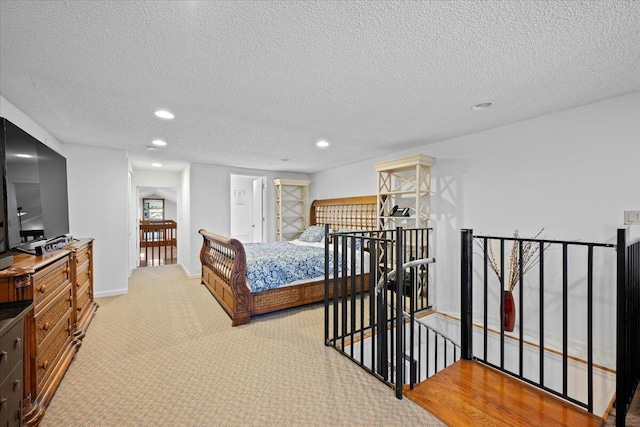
{"points": [[158, 243]]}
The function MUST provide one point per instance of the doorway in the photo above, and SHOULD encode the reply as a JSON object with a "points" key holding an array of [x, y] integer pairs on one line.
{"points": [[157, 233], [247, 208]]}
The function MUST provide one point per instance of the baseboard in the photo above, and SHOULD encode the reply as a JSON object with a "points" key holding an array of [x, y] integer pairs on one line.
{"points": [[189, 275], [110, 293]]}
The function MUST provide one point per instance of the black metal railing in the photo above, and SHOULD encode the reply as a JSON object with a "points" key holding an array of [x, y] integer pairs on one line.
{"points": [[370, 326], [379, 328], [429, 351], [554, 265], [628, 324]]}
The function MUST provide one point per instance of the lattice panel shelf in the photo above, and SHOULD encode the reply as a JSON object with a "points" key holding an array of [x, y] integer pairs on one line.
{"points": [[292, 208], [405, 183]]}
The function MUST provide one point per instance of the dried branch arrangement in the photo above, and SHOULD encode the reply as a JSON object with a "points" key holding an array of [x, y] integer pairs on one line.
{"points": [[530, 257]]}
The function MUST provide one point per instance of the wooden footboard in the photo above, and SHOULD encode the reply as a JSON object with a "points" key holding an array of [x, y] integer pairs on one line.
{"points": [[224, 266], [297, 295]]}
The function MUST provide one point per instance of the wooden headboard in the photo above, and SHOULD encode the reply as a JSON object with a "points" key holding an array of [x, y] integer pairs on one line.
{"points": [[359, 213]]}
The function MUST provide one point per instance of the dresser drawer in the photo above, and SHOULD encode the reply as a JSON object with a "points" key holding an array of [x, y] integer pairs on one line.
{"points": [[11, 398], [83, 257], [83, 276], [52, 313], [84, 299], [11, 349], [49, 280], [49, 352]]}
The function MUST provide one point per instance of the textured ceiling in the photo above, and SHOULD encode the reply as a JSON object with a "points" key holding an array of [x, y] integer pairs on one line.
{"points": [[252, 83]]}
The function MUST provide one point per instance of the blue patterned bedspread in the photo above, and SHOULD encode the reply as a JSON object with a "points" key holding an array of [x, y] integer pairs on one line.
{"points": [[271, 265]]}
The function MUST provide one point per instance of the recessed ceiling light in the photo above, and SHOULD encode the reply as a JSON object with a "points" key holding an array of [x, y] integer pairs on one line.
{"points": [[151, 148], [164, 114], [24, 156], [156, 165], [159, 142], [482, 106], [322, 143]]}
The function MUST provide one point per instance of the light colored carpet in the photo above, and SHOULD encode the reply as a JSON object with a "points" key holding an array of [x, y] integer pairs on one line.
{"points": [[633, 416], [165, 354]]}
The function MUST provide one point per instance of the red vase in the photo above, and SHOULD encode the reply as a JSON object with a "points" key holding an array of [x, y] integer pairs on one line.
{"points": [[509, 311]]}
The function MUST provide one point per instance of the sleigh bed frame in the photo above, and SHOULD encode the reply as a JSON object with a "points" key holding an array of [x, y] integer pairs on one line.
{"points": [[224, 263]]}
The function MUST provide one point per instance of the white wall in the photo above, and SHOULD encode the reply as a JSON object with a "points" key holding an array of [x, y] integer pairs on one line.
{"points": [[18, 118], [98, 205], [356, 179], [241, 215], [132, 222], [184, 221], [573, 172], [98, 208], [147, 178], [209, 208], [210, 204], [170, 210]]}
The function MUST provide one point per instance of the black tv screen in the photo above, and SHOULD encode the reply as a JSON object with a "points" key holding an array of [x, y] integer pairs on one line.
{"points": [[35, 190]]}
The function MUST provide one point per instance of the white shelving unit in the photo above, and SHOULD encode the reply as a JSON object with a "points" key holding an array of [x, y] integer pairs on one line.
{"points": [[405, 183], [292, 208]]}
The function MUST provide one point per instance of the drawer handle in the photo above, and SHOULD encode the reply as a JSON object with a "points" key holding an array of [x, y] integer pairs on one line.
{"points": [[42, 289], [68, 298], [67, 328], [45, 326], [44, 365], [4, 356], [18, 343], [16, 385], [3, 400]]}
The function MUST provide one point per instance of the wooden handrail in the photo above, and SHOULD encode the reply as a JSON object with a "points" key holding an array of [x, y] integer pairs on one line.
{"points": [[158, 224]]}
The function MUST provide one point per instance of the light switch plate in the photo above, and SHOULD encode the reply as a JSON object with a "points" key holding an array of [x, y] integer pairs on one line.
{"points": [[631, 217]]}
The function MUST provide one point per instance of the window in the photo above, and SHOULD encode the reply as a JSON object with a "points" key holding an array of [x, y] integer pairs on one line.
{"points": [[153, 209]]}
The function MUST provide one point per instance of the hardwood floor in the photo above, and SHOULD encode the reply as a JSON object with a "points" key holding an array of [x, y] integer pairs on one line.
{"points": [[158, 255], [471, 394]]}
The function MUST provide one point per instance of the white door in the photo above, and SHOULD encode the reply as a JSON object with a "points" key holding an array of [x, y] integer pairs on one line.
{"points": [[257, 215]]}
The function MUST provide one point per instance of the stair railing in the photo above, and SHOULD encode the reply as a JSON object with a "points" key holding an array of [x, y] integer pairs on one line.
{"points": [[158, 242], [566, 266], [379, 329], [628, 324]]}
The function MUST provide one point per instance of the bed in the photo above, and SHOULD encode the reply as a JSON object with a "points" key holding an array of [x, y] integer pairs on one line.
{"points": [[224, 263]]}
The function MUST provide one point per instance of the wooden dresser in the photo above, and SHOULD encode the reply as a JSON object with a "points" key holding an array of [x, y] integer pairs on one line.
{"points": [[60, 284], [12, 316]]}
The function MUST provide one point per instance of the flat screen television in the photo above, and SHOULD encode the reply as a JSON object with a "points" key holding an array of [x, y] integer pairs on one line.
{"points": [[34, 197]]}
